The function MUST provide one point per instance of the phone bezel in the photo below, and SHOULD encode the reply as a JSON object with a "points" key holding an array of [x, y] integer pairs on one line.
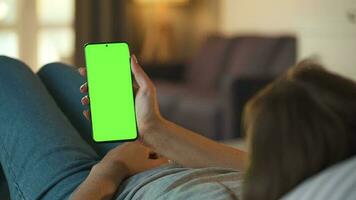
{"points": [[133, 96]]}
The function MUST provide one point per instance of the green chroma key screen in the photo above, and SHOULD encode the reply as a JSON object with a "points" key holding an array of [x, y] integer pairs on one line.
{"points": [[110, 91]]}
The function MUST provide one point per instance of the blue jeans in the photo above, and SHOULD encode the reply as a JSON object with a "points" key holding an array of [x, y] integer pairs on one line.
{"points": [[46, 149]]}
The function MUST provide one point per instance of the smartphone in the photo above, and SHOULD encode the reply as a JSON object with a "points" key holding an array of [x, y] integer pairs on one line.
{"points": [[110, 91]]}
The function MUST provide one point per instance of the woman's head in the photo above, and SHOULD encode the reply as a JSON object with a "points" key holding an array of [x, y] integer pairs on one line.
{"points": [[297, 126]]}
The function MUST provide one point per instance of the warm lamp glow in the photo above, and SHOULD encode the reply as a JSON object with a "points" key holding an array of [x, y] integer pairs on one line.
{"points": [[173, 2], [157, 45]]}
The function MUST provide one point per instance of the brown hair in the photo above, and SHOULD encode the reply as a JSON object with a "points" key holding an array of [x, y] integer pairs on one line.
{"points": [[297, 126]]}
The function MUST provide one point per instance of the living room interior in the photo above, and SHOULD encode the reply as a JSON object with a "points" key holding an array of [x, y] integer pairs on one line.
{"points": [[239, 45], [207, 58]]}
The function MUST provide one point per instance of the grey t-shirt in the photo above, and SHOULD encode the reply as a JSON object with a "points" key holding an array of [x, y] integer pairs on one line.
{"points": [[172, 181]]}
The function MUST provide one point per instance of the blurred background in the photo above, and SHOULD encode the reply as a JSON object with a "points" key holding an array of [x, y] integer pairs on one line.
{"points": [[207, 57]]}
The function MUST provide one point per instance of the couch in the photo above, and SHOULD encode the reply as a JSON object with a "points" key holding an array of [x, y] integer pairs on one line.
{"points": [[220, 78]]}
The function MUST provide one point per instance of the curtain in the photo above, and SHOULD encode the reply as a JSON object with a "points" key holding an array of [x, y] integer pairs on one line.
{"points": [[97, 21]]}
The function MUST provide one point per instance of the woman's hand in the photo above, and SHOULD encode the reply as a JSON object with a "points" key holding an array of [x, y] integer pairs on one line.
{"points": [[147, 110], [171, 140], [119, 163], [134, 156]]}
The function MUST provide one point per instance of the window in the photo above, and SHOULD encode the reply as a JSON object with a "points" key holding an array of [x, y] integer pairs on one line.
{"points": [[8, 27], [37, 31]]}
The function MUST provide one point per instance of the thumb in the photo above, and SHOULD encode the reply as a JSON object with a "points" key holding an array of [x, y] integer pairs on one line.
{"points": [[141, 77]]}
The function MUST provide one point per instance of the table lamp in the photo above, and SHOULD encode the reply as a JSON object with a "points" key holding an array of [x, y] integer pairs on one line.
{"points": [[158, 46]]}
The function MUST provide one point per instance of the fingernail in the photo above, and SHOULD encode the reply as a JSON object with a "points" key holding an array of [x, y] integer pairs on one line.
{"points": [[84, 100], [135, 59], [86, 113], [82, 86]]}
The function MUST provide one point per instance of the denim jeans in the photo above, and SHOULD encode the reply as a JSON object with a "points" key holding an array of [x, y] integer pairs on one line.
{"points": [[46, 149]]}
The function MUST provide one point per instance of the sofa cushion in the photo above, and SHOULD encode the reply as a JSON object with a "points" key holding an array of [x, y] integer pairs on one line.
{"points": [[249, 55], [284, 57], [205, 68], [336, 182], [199, 111], [168, 95]]}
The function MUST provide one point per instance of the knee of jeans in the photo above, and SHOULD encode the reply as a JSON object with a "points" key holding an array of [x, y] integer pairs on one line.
{"points": [[10, 66], [52, 69]]}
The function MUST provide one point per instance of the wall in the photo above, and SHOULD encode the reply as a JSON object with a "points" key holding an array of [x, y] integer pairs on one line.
{"points": [[325, 28]]}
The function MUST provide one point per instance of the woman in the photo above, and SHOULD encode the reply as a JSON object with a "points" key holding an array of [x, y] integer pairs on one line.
{"points": [[296, 127]]}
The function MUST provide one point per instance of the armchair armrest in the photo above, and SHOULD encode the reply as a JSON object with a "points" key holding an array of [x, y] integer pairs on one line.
{"points": [[236, 92]]}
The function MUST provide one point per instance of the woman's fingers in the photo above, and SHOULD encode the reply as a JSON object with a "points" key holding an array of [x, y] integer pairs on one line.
{"points": [[86, 114], [84, 88], [141, 77], [135, 86], [85, 100], [82, 71]]}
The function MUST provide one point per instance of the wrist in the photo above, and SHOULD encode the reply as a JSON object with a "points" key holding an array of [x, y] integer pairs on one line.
{"points": [[102, 182], [156, 136], [151, 128], [111, 172]]}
